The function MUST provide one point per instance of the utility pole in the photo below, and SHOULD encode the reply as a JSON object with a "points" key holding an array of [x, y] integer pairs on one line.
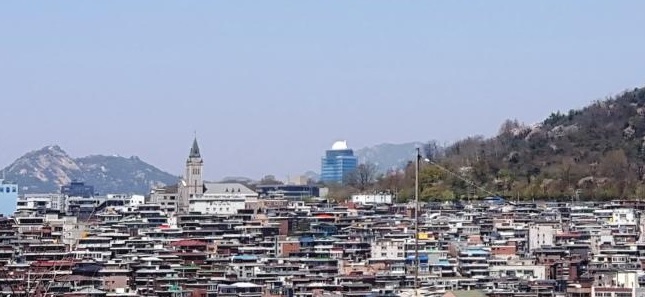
{"points": [[416, 223]]}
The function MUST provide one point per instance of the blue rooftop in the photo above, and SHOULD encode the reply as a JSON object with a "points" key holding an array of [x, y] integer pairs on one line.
{"points": [[245, 257], [306, 239], [421, 257]]}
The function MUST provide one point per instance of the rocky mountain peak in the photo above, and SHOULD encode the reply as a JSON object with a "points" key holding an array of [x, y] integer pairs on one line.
{"points": [[47, 169]]}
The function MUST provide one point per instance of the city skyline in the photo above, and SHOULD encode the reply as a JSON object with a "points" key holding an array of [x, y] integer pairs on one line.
{"points": [[268, 89], [181, 172]]}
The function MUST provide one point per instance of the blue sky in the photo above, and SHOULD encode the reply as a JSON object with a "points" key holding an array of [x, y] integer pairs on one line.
{"points": [[269, 85]]}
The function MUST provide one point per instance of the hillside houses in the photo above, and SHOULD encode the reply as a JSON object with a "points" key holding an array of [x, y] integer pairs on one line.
{"points": [[313, 249]]}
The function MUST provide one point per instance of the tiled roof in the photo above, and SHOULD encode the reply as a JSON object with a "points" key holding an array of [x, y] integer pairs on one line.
{"points": [[188, 243], [227, 188]]}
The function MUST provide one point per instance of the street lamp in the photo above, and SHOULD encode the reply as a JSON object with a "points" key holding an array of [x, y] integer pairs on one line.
{"points": [[419, 158], [416, 223], [416, 219]]}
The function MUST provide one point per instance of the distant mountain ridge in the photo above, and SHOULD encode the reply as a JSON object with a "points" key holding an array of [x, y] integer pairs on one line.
{"points": [[47, 169], [387, 156]]}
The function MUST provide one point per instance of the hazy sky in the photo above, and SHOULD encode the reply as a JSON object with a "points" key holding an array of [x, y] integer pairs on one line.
{"points": [[269, 85]]}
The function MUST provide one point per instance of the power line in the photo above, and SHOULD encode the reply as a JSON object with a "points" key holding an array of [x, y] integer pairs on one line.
{"points": [[461, 178]]}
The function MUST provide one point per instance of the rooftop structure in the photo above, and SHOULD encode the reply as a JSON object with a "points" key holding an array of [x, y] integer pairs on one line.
{"points": [[78, 189]]}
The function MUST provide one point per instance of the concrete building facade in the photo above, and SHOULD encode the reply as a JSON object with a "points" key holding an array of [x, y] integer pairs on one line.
{"points": [[541, 235], [8, 196], [372, 198]]}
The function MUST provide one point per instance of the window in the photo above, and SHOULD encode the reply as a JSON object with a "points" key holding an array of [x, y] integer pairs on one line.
{"points": [[623, 294], [13, 190]]}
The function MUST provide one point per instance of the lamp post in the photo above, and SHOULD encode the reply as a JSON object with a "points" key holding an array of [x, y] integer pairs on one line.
{"points": [[416, 223]]}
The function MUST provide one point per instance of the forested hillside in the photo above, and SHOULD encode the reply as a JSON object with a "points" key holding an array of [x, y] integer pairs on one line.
{"points": [[597, 152]]}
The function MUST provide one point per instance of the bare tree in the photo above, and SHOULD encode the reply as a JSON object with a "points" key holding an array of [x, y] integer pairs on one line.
{"points": [[363, 177], [433, 150], [508, 127], [269, 180]]}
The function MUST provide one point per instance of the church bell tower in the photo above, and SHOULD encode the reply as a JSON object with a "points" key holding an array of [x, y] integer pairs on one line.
{"points": [[194, 166]]}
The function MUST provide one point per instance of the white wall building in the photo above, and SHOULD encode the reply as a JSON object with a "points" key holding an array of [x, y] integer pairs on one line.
{"points": [[33, 202], [623, 216], [222, 198], [620, 284], [137, 200], [167, 197], [541, 235], [372, 198], [388, 248], [526, 272], [217, 205]]}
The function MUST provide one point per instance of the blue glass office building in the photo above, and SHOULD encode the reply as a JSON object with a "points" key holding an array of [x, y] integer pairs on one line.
{"points": [[337, 163]]}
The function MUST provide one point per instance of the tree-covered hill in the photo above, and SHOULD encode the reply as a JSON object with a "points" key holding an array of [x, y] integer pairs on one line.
{"points": [[597, 152]]}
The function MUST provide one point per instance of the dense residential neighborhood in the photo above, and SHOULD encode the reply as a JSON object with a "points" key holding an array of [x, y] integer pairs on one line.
{"points": [[203, 239], [322, 149]]}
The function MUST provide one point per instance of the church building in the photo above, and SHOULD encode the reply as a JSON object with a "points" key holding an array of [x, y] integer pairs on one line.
{"points": [[192, 194]]}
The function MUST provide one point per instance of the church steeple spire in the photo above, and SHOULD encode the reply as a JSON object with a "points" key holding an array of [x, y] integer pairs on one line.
{"points": [[194, 151], [192, 185]]}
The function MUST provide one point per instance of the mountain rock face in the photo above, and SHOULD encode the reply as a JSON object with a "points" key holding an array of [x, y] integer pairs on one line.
{"points": [[47, 169], [388, 156]]}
